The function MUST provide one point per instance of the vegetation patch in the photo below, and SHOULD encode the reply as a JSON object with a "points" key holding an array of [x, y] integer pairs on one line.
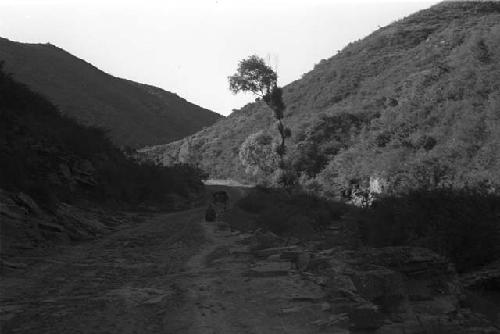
{"points": [[415, 102], [299, 215], [463, 225]]}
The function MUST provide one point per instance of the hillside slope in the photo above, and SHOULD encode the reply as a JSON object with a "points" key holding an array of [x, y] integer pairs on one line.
{"points": [[135, 114], [416, 102], [52, 158], [62, 181]]}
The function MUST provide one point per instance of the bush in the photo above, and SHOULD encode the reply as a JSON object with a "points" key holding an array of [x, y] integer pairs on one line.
{"points": [[257, 200], [296, 214], [463, 225]]}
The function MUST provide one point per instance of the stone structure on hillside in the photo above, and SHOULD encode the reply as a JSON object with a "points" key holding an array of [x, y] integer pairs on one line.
{"points": [[378, 185], [363, 193]]}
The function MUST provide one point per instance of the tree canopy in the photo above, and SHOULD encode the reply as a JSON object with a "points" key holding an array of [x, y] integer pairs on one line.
{"points": [[253, 75]]}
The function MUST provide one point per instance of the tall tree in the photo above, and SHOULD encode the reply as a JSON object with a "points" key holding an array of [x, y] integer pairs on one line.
{"points": [[255, 76]]}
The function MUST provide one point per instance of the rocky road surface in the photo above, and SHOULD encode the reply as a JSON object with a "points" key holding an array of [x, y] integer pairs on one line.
{"points": [[176, 273], [230, 292], [171, 273]]}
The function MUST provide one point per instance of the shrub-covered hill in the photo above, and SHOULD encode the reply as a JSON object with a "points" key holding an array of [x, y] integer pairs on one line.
{"points": [[416, 102], [135, 114], [51, 158]]}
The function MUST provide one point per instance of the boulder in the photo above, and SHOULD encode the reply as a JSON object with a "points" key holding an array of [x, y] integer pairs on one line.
{"points": [[54, 179], [84, 167], [77, 234], [12, 265], [274, 258], [85, 180], [485, 278], [262, 240], [413, 262], [384, 287], [51, 227], [290, 255], [319, 264], [80, 224], [303, 260], [439, 305], [10, 209], [65, 172], [266, 252], [424, 324], [340, 286], [425, 273], [268, 269], [366, 317], [393, 283], [27, 202]]}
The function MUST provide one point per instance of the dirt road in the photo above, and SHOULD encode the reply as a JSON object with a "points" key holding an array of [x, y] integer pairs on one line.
{"points": [[171, 273]]}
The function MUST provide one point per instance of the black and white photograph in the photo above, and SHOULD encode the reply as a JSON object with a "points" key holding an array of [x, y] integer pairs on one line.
{"points": [[249, 167]]}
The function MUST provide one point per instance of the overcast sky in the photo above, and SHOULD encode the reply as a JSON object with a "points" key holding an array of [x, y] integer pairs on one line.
{"points": [[190, 47]]}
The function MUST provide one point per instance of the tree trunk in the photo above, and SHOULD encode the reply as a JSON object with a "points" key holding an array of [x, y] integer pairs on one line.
{"points": [[282, 145]]}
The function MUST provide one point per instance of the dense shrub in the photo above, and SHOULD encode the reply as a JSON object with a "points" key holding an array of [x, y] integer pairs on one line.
{"points": [[258, 199], [322, 140], [258, 154], [296, 214], [463, 225]]}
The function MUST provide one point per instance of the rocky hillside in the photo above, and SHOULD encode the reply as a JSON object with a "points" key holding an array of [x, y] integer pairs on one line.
{"points": [[135, 114], [416, 102]]}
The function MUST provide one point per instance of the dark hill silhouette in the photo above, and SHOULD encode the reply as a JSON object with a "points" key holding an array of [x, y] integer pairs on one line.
{"points": [[52, 158], [416, 102], [135, 114]]}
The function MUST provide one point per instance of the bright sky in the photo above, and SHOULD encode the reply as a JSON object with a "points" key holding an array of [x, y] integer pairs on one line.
{"points": [[190, 47]]}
